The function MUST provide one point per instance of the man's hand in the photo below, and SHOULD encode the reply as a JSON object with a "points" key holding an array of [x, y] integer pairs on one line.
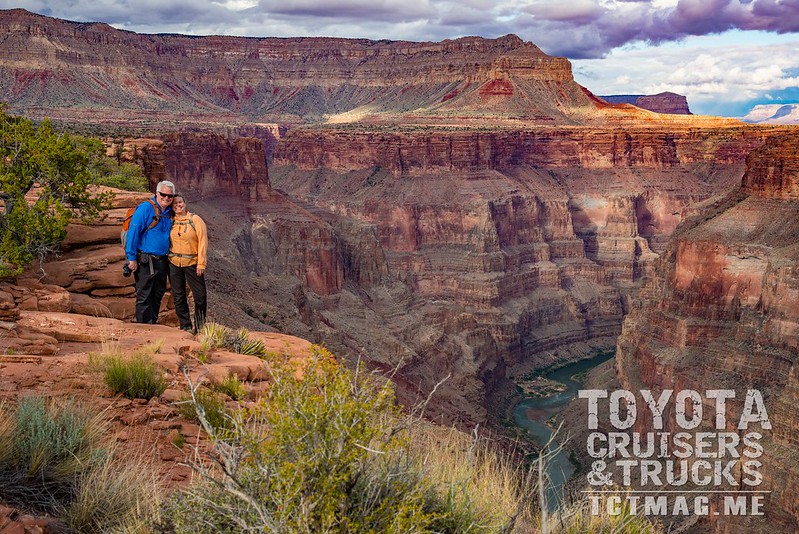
{"points": [[133, 265]]}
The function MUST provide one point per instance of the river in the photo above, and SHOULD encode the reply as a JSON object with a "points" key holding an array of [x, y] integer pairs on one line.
{"points": [[532, 414]]}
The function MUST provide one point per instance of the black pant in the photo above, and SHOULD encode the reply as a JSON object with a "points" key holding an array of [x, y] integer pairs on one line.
{"points": [[178, 277], [150, 288]]}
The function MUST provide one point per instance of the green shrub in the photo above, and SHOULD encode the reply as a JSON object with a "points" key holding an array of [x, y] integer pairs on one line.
{"points": [[55, 460], [61, 167], [319, 453], [232, 387], [125, 176], [212, 405], [135, 377]]}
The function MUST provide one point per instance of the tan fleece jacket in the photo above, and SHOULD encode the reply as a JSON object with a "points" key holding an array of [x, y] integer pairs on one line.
{"points": [[187, 245]]}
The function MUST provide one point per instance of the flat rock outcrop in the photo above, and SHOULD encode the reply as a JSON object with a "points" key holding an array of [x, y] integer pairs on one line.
{"points": [[665, 102], [721, 313]]}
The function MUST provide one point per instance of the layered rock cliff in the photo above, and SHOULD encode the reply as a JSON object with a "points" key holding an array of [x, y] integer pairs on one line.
{"points": [[85, 69], [465, 207], [665, 102], [443, 253], [723, 313]]}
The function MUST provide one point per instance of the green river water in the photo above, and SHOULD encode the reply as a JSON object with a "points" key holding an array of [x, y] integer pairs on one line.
{"points": [[532, 414]]}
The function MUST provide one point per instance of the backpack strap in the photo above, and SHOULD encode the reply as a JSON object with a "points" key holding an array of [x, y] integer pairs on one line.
{"points": [[156, 215], [189, 222]]}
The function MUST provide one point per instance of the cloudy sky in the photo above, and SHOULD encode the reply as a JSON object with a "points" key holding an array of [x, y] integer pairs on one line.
{"points": [[724, 55]]}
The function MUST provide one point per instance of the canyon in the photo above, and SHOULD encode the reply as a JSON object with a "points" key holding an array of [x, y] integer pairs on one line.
{"points": [[448, 210], [445, 253], [721, 310], [452, 213]]}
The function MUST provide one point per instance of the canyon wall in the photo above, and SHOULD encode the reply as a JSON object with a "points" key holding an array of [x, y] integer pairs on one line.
{"points": [[722, 312], [440, 209], [665, 102], [464, 260], [425, 150], [93, 72]]}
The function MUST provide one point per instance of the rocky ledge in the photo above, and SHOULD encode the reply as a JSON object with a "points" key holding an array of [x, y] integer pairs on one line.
{"points": [[723, 313]]}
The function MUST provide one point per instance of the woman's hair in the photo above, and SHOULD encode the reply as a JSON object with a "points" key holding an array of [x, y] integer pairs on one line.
{"points": [[179, 196]]}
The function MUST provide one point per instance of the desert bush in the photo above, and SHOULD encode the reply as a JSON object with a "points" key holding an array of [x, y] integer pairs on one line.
{"points": [[212, 406], [44, 447], [321, 452], [232, 387], [136, 376], [55, 460]]}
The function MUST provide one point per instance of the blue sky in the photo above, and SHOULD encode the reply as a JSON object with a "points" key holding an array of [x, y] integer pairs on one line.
{"points": [[725, 55]]}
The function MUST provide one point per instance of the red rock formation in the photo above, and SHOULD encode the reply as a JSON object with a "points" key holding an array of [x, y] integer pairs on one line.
{"points": [[665, 102], [92, 72], [205, 164], [432, 150], [465, 267], [459, 223], [723, 313]]}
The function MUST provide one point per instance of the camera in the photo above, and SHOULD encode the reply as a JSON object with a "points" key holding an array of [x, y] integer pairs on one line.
{"points": [[126, 269]]}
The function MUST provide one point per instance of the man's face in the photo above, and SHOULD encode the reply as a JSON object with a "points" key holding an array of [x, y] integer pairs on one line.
{"points": [[164, 196]]}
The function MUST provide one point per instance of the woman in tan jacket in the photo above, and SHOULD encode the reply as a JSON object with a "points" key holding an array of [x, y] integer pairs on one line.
{"points": [[188, 247]]}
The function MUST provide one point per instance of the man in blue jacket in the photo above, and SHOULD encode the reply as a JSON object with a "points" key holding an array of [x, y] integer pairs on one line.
{"points": [[146, 250]]}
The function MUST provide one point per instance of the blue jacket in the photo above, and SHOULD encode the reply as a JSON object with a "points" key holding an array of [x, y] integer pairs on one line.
{"points": [[154, 241]]}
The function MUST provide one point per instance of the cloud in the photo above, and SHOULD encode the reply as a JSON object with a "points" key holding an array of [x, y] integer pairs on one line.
{"points": [[579, 12], [381, 10], [601, 26], [575, 28], [716, 76]]}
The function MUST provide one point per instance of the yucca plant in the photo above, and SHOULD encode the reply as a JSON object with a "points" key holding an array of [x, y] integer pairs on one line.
{"points": [[215, 335], [253, 347]]}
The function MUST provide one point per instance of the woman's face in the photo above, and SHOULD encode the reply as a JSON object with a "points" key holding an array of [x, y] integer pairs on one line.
{"points": [[179, 205]]}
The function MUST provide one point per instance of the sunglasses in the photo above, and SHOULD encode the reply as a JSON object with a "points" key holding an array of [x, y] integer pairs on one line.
{"points": [[166, 195]]}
